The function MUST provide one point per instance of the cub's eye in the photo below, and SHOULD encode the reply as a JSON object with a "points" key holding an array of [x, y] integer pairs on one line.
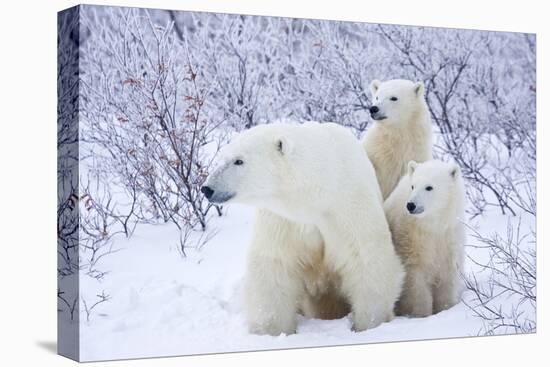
{"points": [[238, 162], [429, 188], [412, 187], [393, 99]]}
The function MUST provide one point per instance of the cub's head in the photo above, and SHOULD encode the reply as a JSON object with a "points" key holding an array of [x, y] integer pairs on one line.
{"points": [[251, 167], [433, 186], [395, 100]]}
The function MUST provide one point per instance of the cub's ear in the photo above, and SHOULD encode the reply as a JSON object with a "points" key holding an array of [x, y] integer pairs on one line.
{"points": [[455, 170], [374, 85], [283, 145], [411, 167], [419, 88]]}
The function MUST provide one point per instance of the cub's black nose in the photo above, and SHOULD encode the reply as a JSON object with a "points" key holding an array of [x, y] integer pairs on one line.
{"points": [[374, 109], [207, 191], [411, 207]]}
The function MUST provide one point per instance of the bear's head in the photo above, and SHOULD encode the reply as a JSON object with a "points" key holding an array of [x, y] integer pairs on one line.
{"points": [[395, 101], [251, 168], [434, 187]]}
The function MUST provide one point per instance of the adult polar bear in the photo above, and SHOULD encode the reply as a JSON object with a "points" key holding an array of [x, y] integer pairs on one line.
{"points": [[402, 130], [340, 237]]}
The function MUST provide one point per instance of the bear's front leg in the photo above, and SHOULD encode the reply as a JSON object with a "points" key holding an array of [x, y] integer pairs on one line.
{"points": [[371, 303], [273, 285], [370, 271], [274, 282], [416, 299], [271, 296], [372, 286], [366, 314]]}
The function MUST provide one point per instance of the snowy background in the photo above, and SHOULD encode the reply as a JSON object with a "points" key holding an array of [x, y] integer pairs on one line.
{"points": [[159, 92]]}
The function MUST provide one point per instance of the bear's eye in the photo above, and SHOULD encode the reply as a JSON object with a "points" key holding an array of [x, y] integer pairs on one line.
{"points": [[412, 187], [238, 162], [393, 99], [429, 188]]}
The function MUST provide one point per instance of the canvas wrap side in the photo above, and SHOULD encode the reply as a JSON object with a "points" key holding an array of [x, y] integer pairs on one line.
{"points": [[68, 198]]}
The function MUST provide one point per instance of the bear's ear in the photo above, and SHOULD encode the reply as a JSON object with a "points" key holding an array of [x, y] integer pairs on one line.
{"points": [[419, 89], [283, 146], [374, 86], [411, 167], [455, 170]]}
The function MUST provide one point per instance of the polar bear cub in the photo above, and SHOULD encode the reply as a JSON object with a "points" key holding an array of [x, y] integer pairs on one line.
{"points": [[402, 130], [318, 177], [425, 214]]}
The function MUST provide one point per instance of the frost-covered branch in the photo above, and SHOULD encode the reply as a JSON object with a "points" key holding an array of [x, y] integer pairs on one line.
{"points": [[145, 110], [503, 291]]}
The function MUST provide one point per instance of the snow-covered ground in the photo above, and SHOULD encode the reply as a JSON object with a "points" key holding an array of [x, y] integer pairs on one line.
{"points": [[163, 304]]}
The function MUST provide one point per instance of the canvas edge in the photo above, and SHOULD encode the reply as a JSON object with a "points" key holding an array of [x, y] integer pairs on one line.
{"points": [[68, 40]]}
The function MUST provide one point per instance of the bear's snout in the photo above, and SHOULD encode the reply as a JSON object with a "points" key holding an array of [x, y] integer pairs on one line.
{"points": [[216, 196], [207, 191], [376, 114], [414, 209]]}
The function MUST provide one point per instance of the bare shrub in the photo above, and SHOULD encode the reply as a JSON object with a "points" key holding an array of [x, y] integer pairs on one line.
{"points": [[144, 103], [503, 292], [98, 219], [100, 298], [190, 239]]}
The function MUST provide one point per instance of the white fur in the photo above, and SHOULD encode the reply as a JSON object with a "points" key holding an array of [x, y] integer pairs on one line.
{"points": [[320, 224], [431, 241], [403, 131]]}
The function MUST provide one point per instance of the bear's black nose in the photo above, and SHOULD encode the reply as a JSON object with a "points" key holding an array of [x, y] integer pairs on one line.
{"points": [[207, 191], [411, 207], [374, 109]]}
